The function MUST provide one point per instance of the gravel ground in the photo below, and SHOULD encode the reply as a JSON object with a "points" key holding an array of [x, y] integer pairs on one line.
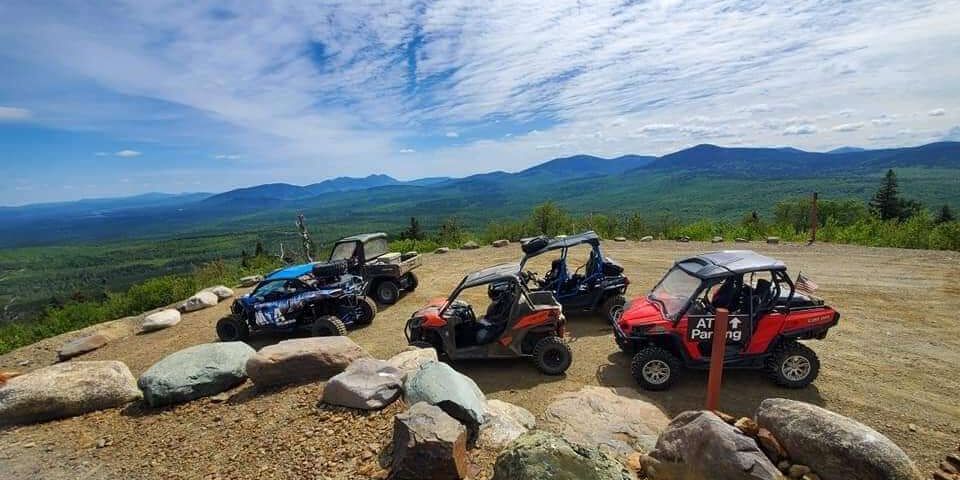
{"points": [[891, 363]]}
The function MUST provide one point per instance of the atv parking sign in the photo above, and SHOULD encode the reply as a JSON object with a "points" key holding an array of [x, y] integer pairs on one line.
{"points": [[700, 329]]}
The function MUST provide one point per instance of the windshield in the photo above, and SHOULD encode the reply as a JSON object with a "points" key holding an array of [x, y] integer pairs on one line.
{"points": [[376, 247], [674, 290], [343, 251]]}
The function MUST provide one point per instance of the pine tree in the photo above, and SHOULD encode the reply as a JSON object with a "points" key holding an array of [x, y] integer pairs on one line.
{"points": [[945, 215], [258, 251], [413, 232], [886, 202]]}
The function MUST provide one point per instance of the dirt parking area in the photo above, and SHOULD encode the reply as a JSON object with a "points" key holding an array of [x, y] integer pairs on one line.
{"points": [[892, 363]]}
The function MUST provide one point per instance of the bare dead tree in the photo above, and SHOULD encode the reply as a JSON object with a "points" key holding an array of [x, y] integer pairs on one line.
{"points": [[305, 238]]}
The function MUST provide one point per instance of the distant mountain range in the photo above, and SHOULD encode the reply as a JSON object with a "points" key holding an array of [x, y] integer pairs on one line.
{"points": [[701, 181]]}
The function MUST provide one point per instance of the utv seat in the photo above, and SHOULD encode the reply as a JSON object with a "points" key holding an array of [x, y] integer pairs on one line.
{"points": [[491, 325]]}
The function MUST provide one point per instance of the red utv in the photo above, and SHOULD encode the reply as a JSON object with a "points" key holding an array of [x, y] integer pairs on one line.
{"points": [[517, 322], [673, 325]]}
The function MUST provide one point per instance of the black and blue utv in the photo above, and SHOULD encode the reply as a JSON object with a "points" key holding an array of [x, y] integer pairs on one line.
{"points": [[596, 286], [320, 298]]}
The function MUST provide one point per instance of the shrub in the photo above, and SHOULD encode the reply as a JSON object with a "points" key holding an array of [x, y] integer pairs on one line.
{"points": [[407, 245]]}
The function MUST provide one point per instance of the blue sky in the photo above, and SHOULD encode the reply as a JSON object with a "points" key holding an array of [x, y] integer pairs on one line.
{"points": [[117, 98]]}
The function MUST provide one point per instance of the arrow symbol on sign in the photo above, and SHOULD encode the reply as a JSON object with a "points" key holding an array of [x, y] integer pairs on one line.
{"points": [[735, 323]]}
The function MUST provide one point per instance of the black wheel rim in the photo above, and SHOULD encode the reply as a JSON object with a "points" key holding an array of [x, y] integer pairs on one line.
{"points": [[324, 331], [553, 358], [354, 312], [386, 293], [228, 331]]}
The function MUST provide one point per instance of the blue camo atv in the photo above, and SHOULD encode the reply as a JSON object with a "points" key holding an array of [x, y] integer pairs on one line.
{"points": [[321, 298]]}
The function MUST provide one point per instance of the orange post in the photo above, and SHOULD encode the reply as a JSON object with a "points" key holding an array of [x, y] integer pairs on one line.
{"points": [[716, 358]]}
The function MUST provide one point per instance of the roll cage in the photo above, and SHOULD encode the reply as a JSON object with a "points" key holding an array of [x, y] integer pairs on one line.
{"points": [[593, 267], [711, 273], [499, 274]]}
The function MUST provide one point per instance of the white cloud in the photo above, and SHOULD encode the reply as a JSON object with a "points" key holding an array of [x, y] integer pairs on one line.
{"points": [[937, 112], [227, 156], [883, 120], [101, 154], [128, 153], [452, 134], [407, 150], [14, 113], [656, 128], [758, 108], [848, 127], [805, 129]]}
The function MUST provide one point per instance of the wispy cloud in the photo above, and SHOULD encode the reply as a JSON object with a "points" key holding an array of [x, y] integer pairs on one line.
{"points": [[13, 113], [407, 150], [227, 156], [128, 153], [804, 129], [848, 127], [937, 112], [452, 134]]}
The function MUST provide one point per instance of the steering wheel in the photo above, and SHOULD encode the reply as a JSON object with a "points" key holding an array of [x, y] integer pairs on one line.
{"points": [[703, 305], [529, 276]]}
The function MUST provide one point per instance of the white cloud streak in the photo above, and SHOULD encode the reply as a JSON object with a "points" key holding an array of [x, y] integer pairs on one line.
{"points": [[848, 127], [13, 113], [128, 153]]}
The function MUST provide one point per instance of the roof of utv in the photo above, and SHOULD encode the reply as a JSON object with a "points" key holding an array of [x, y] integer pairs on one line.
{"points": [[556, 243], [728, 262], [504, 271], [363, 237], [291, 272]]}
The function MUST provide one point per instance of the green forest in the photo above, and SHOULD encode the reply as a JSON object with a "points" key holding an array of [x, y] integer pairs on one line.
{"points": [[59, 289]]}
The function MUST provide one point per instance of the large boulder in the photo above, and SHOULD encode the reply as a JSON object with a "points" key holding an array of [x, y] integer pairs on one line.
{"points": [[200, 301], [441, 250], [251, 280], [503, 424], [428, 443], [198, 371], [410, 360], [699, 445], [832, 445], [66, 390], [439, 384], [500, 243], [367, 384], [470, 245], [616, 420], [303, 360], [540, 455], [160, 320], [221, 291], [82, 345], [646, 238], [716, 239]]}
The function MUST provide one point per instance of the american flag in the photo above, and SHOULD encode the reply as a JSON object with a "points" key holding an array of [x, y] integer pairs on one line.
{"points": [[805, 285]]}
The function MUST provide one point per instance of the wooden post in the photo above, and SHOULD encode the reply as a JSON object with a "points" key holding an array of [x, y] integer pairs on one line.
{"points": [[716, 358], [813, 219]]}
